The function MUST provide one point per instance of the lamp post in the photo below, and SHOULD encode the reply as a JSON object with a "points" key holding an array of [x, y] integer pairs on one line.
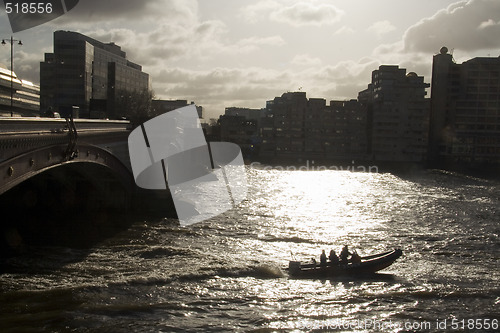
{"points": [[11, 41]]}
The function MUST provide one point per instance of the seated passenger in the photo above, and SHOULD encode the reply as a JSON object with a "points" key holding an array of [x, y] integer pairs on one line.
{"points": [[334, 259], [322, 258], [356, 258], [344, 254]]}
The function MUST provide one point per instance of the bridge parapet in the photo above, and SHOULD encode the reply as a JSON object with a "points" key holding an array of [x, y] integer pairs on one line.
{"points": [[19, 135], [28, 146]]}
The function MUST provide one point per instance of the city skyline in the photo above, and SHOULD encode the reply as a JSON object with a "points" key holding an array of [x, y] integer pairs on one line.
{"points": [[220, 53]]}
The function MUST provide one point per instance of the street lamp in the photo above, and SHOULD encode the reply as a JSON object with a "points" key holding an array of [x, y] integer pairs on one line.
{"points": [[11, 40]]}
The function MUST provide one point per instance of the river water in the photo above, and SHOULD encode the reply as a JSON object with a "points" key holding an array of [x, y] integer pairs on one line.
{"points": [[226, 274]]}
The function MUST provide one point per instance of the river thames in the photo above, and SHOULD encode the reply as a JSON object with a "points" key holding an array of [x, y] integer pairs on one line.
{"points": [[227, 273]]}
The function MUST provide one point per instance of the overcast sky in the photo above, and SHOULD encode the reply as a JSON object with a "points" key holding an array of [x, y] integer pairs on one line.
{"points": [[221, 53]]}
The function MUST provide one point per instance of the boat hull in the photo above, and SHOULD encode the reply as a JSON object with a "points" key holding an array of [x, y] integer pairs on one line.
{"points": [[368, 265]]}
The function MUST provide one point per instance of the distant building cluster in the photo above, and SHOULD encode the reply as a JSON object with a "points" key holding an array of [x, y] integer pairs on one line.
{"points": [[390, 121], [393, 120]]}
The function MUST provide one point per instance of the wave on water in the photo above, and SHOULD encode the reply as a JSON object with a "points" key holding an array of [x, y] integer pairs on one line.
{"points": [[262, 271], [293, 239], [161, 252]]}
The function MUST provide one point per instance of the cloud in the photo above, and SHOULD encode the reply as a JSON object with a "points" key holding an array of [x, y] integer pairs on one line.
{"points": [[465, 25], [381, 27], [119, 10], [488, 24], [345, 79], [221, 87], [344, 31], [305, 60], [307, 13], [170, 42], [301, 13], [27, 65], [246, 45]]}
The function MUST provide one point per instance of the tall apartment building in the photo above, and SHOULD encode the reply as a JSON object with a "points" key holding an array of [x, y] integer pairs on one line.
{"points": [[284, 131], [397, 115], [465, 110], [89, 74], [347, 131]]}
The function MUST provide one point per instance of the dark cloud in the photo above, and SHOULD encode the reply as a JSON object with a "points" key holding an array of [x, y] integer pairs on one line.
{"points": [[466, 25], [93, 11]]}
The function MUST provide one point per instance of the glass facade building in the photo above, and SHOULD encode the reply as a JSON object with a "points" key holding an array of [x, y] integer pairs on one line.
{"points": [[89, 74]]}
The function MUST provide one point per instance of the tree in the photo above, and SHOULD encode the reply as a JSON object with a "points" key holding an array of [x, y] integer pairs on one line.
{"points": [[134, 105]]}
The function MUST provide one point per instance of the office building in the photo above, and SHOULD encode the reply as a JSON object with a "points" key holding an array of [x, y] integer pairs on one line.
{"points": [[89, 74], [465, 111]]}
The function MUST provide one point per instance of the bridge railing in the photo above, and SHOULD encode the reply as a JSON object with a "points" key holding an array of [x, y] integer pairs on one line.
{"points": [[19, 135]]}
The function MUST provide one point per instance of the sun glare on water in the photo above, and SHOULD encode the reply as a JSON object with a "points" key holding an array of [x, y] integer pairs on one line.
{"points": [[332, 206]]}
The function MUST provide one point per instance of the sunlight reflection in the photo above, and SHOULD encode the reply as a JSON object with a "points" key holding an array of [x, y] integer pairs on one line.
{"points": [[333, 205]]}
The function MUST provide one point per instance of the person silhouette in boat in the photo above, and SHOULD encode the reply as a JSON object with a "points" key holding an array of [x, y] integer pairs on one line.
{"points": [[344, 255], [355, 258], [322, 259], [334, 259]]}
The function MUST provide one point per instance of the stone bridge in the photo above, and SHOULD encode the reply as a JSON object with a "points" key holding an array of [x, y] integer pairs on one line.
{"points": [[64, 182]]}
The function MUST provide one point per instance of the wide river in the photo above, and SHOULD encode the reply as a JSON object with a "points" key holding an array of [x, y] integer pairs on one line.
{"points": [[226, 274]]}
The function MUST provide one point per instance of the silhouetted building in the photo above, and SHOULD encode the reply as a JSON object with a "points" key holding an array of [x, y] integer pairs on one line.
{"points": [[249, 114], [346, 130], [297, 127], [26, 95], [242, 131], [465, 111], [285, 133], [397, 115], [89, 74], [242, 126], [161, 106]]}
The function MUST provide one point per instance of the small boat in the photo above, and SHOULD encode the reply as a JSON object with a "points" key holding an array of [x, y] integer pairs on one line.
{"points": [[368, 265]]}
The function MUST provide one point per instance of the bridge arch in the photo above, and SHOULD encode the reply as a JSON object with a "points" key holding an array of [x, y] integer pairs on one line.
{"points": [[47, 198], [18, 169]]}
